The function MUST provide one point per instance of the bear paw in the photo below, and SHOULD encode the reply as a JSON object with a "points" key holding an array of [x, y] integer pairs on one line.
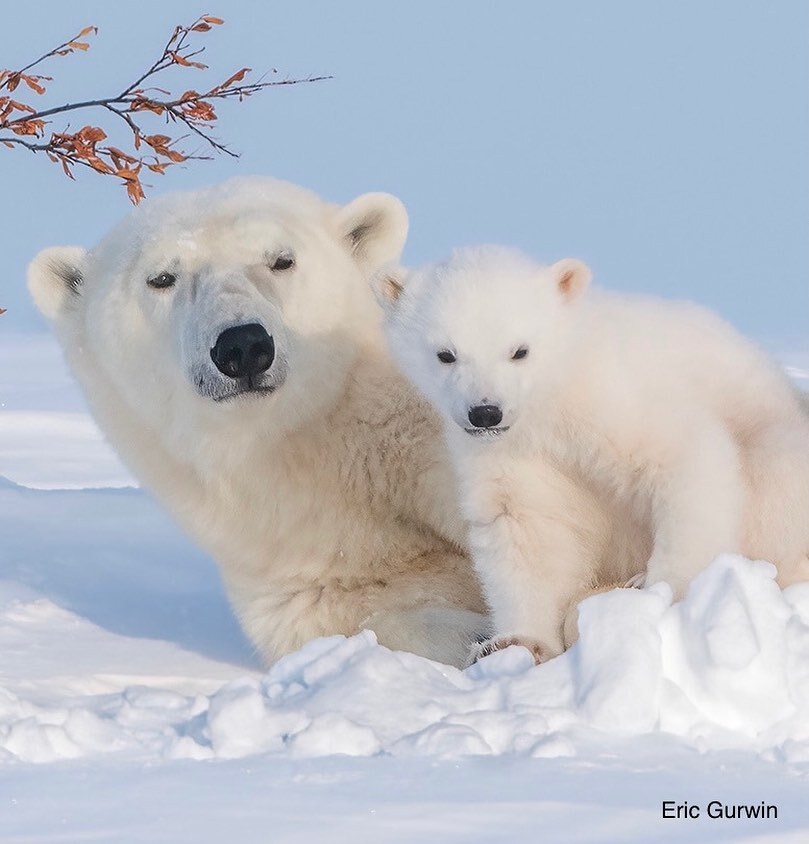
{"points": [[540, 652]]}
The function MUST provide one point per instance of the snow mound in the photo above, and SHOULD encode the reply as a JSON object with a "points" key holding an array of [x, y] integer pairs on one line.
{"points": [[728, 667]]}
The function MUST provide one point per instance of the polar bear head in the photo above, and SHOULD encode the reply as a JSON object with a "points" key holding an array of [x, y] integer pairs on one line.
{"points": [[482, 334], [249, 298]]}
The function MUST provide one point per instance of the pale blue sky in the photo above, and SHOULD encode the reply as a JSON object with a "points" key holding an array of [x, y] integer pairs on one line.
{"points": [[666, 143]]}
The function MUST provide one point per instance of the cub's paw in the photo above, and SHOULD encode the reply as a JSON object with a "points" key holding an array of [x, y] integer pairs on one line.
{"points": [[540, 652], [636, 582]]}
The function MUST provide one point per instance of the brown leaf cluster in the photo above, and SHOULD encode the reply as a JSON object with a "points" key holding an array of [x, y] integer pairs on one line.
{"points": [[21, 124]]}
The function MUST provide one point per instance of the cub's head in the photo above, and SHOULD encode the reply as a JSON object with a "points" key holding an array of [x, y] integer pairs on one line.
{"points": [[249, 297], [480, 334]]}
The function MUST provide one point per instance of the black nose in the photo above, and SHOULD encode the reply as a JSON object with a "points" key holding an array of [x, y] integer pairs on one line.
{"points": [[485, 415], [243, 351]]}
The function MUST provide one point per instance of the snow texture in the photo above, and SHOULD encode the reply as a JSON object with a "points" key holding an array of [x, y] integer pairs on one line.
{"points": [[728, 667]]}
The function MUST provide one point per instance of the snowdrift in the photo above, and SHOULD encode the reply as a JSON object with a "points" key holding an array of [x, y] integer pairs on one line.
{"points": [[726, 668]]}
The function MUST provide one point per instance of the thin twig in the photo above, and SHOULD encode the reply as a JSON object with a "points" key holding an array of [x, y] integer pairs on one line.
{"points": [[54, 51]]}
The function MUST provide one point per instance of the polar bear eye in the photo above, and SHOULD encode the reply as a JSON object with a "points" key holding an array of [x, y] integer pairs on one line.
{"points": [[162, 280], [521, 353], [281, 262], [446, 356]]}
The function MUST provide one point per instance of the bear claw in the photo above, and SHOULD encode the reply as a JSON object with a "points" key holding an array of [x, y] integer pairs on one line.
{"points": [[488, 647]]}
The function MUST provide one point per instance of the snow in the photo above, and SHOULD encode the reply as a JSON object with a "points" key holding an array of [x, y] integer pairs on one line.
{"points": [[728, 667], [47, 438], [133, 709]]}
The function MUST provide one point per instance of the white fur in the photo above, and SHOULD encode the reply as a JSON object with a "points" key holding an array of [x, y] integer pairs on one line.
{"points": [[329, 504], [678, 427]]}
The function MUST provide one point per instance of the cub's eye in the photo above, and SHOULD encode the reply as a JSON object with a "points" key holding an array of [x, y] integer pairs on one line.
{"points": [[162, 280], [446, 356], [521, 353], [281, 262]]}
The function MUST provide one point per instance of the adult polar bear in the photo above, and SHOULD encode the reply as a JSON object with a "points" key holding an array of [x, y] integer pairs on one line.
{"points": [[231, 349], [228, 344]]}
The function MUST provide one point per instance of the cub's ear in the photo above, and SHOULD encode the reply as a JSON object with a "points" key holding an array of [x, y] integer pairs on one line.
{"points": [[55, 278], [388, 285], [572, 277], [374, 226]]}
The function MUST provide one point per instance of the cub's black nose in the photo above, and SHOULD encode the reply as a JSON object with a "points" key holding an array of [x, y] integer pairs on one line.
{"points": [[485, 415], [243, 351]]}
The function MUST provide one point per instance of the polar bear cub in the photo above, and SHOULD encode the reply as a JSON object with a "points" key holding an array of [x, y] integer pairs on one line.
{"points": [[659, 407]]}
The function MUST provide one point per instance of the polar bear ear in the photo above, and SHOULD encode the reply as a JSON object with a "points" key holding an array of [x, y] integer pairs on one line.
{"points": [[388, 285], [374, 226], [572, 278], [55, 278]]}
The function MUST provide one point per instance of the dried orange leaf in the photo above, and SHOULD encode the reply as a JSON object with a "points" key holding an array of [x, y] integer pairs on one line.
{"points": [[22, 107], [32, 83], [145, 104], [135, 191], [237, 77], [180, 59], [98, 165], [125, 156], [28, 127], [157, 140], [91, 134]]}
